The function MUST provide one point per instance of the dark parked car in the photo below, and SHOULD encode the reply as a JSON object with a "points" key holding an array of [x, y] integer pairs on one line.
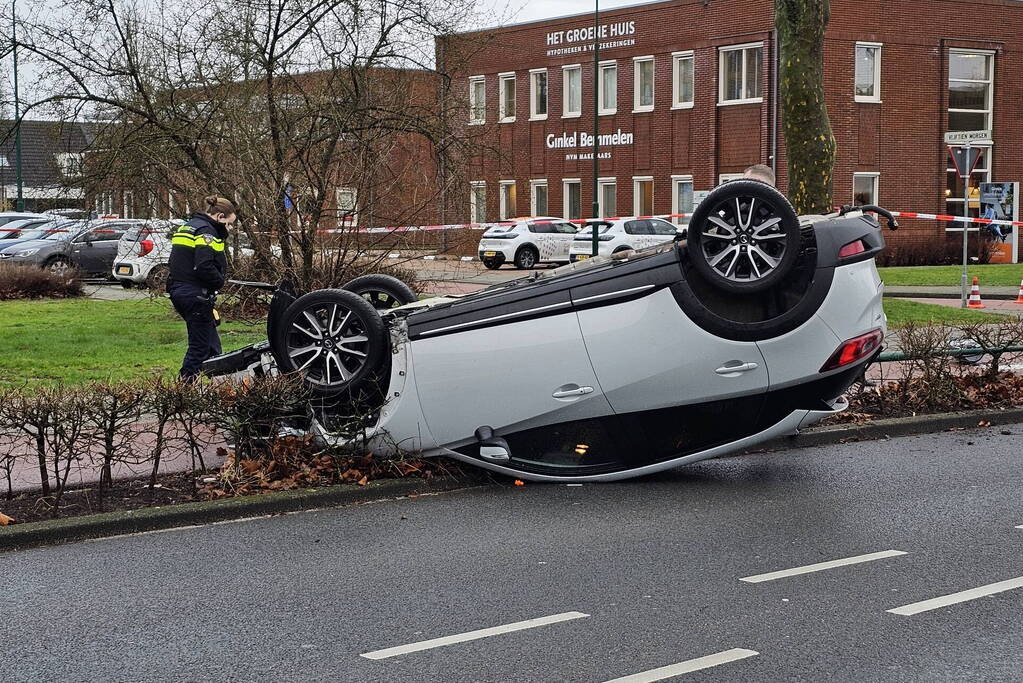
{"points": [[89, 246]]}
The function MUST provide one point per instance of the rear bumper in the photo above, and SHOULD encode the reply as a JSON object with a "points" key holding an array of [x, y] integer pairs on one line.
{"points": [[498, 257], [129, 271], [247, 359]]}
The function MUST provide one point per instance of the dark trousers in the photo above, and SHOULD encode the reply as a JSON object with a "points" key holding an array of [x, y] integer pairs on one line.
{"points": [[203, 339]]}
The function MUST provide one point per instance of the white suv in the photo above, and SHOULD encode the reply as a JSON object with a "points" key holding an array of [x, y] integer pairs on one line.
{"points": [[527, 242], [142, 255], [622, 234]]}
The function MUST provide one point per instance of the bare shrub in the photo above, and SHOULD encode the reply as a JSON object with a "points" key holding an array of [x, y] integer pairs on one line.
{"points": [[31, 282], [11, 441], [113, 411], [161, 403], [940, 252], [68, 439], [30, 413], [254, 411], [992, 338]]}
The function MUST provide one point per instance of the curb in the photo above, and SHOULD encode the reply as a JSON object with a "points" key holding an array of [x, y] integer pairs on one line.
{"points": [[936, 295], [897, 426], [57, 531]]}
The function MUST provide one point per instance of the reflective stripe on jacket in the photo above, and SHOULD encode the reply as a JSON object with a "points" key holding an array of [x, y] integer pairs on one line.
{"points": [[198, 262]]}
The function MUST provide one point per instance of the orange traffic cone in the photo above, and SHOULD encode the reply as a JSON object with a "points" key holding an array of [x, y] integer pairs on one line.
{"points": [[1019, 297], [975, 301]]}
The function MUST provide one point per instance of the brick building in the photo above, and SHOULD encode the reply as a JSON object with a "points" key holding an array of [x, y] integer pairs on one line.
{"points": [[688, 98]]}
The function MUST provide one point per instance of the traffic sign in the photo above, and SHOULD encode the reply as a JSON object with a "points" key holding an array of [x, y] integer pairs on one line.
{"points": [[965, 137], [965, 159]]}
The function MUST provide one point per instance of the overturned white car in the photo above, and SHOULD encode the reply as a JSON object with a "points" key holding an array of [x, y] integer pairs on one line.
{"points": [[607, 368]]}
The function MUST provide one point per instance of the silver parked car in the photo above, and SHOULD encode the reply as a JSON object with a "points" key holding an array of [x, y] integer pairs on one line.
{"points": [[88, 246]]}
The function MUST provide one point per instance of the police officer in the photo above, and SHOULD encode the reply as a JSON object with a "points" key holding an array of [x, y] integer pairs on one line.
{"points": [[198, 268]]}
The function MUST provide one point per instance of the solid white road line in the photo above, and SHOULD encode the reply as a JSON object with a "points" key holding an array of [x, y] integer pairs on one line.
{"points": [[1020, 526], [472, 635], [821, 566], [688, 666], [955, 598]]}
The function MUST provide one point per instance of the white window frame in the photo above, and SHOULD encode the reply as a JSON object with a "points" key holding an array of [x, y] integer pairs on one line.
{"points": [[601, 67], [70, 163], [601, 184], [875, 177], [990, 81], [876, 97], [676, 94], [104, 200], [565, 182], [504, 208], [502, 115], [725, 177], [533, 185], [722, 102], [342, 214], [637, 62], [677, 180], [533, 100], [636, 180], [567, 113], [170, 204], [475, 106], [477, 213]]}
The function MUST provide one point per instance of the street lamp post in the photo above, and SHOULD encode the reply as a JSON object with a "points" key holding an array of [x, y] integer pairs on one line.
{"points": [[20, 204], [596, 131]]}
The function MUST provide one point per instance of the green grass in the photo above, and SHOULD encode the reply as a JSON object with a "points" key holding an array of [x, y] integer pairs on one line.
{"points": [[1006, 275], [902, 311], [78, 340]]}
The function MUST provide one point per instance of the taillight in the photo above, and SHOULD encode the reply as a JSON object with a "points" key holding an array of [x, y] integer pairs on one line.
{"points": [[851, 249], [145, 246], [856, 349]]}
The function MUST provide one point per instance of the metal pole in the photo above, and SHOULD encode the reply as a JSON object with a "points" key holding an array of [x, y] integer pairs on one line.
{"points": [[966, 224], [596, 114], [20, 204]]}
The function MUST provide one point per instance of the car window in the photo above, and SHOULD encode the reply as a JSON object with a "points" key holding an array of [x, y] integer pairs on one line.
{"points": [[106, 233], [659, 227], [637, 227], [542, 228], [566, 228]]}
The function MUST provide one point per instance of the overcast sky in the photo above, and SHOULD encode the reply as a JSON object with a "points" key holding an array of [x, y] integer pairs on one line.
{"points": [[531, 10]]}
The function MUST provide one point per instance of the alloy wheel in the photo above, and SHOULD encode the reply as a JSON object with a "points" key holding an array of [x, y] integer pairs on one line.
{"points": [[744, 239], [328, 342]]}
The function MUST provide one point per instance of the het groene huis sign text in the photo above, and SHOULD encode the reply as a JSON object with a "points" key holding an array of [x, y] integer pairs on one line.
{"points": [[615, 35]]}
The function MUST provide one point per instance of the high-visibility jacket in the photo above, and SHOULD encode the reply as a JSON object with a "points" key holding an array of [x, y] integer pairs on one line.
{"points": [[198, 263]]}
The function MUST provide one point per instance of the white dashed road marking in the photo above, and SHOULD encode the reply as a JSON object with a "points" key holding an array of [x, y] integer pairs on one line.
{"points": [[821, 566], [955, 598], [688, 666], [472, 635]]}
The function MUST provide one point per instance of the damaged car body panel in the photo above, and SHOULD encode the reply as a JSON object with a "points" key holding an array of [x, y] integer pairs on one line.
{"points": [[611, 368]]}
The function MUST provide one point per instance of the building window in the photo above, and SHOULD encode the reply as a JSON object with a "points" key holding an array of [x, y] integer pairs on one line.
{"points": [[608, 88], [643, 196], [70, 164], [682, 79], [507, 104], [573, 202], [740, 68], [954, 188], [477, 100], [538, 94], [864, 189], [969, 90], [726, 177], [607, 191], [682, 197], [508, 199], [104, 203], [643, 97], [127, 204], [347, 199], [868, 72], [478, 201], [572, 90], [538, 197]]}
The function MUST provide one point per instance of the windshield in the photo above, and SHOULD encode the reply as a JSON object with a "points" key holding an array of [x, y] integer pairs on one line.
{"points": [[33, 234], [588, 230]]}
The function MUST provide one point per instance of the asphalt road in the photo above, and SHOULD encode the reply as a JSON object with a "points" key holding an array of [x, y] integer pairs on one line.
{"points": [[634, 576]]}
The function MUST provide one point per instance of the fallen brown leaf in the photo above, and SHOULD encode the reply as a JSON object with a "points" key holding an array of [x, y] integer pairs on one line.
{"points": [[6, 520]]}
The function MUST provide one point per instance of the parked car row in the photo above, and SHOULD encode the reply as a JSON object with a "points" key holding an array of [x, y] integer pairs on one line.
{"points": [[527, 242]]}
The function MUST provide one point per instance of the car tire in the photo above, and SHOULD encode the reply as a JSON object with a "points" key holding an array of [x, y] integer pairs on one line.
{"points": [[526, 258], [126, 284], [156, 280], [58, 265], [491, 265], [307, 342], [383, 292], [744, 237], [621, 249]]}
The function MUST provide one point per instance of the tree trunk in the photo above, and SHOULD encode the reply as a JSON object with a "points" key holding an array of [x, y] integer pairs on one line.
{"points": [[809, 142]]}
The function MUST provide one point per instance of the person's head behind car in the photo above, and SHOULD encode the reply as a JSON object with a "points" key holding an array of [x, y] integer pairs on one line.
{"points": [[762, 173]]}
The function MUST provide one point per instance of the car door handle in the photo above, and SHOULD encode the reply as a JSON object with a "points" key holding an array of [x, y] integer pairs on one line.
{"points": [[567, 392], [735, 367]]}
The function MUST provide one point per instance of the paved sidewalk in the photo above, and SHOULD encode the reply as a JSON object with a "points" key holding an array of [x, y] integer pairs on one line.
{"points": [[931, 292], [1000, 306]]}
